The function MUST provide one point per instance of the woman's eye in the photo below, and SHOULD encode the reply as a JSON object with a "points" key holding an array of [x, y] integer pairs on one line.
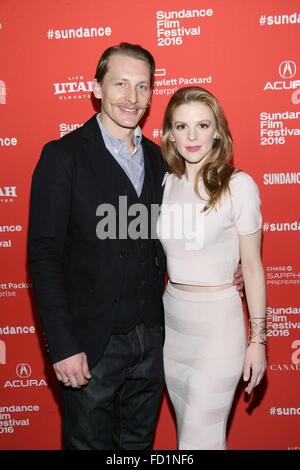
{"points": [[180, 126], [203, 125]]}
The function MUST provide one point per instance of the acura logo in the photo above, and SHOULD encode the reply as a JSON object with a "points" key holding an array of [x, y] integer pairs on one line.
{"points": [[23, 370], [287, 69]]}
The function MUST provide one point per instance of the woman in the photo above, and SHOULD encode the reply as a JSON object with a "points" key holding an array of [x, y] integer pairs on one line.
{"points": [[210, 218]]}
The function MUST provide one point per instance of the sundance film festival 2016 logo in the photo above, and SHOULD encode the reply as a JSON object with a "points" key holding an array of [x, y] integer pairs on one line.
{"points": [[286, 70], [274, 128], [172, 27], [3, 92], [12, 417], [282, 320], [75, 88], [24, 380]]}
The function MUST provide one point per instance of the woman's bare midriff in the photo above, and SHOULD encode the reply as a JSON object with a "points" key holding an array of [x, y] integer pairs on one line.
{"points": [[193, 288]]}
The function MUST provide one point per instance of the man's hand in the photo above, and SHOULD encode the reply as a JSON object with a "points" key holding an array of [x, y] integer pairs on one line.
{"points": [[239, 280], [73, 371]]}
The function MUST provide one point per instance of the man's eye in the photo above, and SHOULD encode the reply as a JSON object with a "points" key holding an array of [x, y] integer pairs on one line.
{"points": [[144, 87]]}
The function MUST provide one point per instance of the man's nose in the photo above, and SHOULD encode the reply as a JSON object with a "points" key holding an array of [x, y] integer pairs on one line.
{"points": [[132, 95]]}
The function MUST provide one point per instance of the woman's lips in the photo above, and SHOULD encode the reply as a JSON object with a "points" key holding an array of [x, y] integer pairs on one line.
{"points": [[193, 149]]}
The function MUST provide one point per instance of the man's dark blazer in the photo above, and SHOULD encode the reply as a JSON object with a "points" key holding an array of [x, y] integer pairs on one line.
{"points": [[78, 278]]}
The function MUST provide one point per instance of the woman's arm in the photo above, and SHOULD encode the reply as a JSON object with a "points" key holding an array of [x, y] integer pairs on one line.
{"points": [[254, 279]]}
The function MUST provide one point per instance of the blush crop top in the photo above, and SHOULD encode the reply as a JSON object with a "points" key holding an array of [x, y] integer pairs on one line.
{"points": [[202, 248]]}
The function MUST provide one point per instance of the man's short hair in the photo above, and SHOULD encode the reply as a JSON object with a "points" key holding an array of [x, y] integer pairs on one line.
{"points": [[124, 48]]}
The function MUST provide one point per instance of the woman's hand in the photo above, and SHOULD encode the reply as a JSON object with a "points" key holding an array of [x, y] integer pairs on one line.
{"points": [[255, 365]]}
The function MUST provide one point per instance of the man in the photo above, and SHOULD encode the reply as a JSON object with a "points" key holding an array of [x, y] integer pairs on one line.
{"points": [[100, 297]]}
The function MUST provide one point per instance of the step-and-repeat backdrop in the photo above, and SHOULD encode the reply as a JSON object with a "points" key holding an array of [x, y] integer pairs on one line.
{"points": [[247, 54]]}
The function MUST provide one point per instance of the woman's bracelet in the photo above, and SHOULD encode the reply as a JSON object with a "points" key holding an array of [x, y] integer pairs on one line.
{"points": [[257, 330]]}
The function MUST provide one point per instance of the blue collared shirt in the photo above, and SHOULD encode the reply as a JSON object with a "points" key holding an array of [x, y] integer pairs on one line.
{"points": [[133, 164]]}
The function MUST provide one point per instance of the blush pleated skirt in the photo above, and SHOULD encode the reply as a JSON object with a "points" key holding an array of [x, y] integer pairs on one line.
{"points": [[204, 355]]}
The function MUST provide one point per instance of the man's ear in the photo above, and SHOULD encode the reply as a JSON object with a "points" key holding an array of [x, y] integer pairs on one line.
{"points": [[97, 89]]}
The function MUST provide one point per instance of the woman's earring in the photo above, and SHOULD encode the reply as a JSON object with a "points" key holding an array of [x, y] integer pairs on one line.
{"points": [[172, 140]]}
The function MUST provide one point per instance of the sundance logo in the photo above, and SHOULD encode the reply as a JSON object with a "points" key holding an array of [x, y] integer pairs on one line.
{"points": [[24, 372], [281, 178]]}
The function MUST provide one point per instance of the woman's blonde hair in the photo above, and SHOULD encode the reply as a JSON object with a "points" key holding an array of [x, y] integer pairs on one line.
{"points": [[217, 170]]}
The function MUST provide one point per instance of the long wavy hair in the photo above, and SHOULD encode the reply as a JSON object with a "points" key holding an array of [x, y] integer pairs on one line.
{"points": [[217, 169]]}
